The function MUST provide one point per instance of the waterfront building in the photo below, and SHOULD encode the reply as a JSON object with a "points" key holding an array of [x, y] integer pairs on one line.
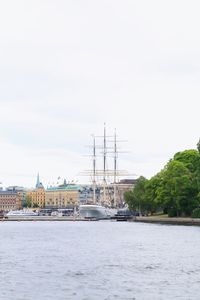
{"points": [[123, 186], [37, 196], [107, 199], [21, 193], [62, 196], [10, 200]]}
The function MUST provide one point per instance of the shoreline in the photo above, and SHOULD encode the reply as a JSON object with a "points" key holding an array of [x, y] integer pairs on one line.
{"points": [[44, 218], [150, 219], [168, 221]]}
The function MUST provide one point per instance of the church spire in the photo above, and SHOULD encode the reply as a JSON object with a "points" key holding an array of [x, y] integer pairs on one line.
{"points": [[38, 183]]}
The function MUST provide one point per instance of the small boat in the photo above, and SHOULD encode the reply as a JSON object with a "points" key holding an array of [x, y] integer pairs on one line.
{"points": [[21, 213], [123, 215]]}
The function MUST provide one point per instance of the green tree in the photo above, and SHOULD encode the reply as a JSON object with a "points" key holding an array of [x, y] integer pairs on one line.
{"points": [[151, 194], [130, 200], [190, 159], [139, 194], [136, 198], [177, 192], [198, 146], [175, 189], [28, 202]]}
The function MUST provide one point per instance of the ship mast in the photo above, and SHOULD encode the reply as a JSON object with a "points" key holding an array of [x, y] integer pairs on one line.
{"points": [[104, 173], [115, 168], [104, 165], [94, 170]]}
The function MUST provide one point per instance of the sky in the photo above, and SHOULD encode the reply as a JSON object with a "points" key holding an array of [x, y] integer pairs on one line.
{"points": [[68, 66]]}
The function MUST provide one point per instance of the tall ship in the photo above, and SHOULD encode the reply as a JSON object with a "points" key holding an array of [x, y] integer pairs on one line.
{"points": [[105, 188]]}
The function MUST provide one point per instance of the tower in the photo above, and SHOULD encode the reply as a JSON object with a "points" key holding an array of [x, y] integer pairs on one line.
{"points": [[38, 183]]}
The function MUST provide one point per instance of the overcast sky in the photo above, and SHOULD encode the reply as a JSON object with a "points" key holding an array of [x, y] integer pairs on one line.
{"points": [[68, 66]]}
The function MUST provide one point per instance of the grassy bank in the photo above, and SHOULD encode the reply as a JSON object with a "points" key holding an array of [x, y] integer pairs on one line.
{"points": [[163, 219]]}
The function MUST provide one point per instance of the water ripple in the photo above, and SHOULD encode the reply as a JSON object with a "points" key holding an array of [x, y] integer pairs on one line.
{"points": [[98, 261]]}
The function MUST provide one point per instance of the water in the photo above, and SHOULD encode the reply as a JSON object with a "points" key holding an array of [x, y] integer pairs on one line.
{"points": [[98, 260]]}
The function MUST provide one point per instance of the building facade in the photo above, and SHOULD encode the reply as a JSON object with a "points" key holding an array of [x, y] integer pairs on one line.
{"points": [[123, 186], [10, 200], [107, 198], [63, 196], [21, 193], [36, 197]]}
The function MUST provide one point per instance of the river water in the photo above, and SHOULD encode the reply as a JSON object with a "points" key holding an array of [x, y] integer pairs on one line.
{"points": [[98, 260]]}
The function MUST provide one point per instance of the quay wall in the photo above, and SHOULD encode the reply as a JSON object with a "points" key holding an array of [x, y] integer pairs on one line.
{"points": [[42, 218], [169, 221]]}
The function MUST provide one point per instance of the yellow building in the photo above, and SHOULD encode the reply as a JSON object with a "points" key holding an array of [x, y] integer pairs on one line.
{"points": [[64, 196], [36, 197]]}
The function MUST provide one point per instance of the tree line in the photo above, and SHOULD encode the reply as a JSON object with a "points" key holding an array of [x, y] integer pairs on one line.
{"points": [[175, 190]]}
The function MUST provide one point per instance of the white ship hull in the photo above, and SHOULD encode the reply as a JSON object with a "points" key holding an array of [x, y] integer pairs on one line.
{"points": [[91, 211]]}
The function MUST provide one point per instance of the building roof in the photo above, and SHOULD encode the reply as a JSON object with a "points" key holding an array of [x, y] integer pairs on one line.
{"points": [[8, 192], [68, 187], [128, 181]]}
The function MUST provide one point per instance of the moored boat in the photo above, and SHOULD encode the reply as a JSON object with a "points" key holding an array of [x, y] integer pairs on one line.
{"points": [[21, 213], [91, 211]]}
